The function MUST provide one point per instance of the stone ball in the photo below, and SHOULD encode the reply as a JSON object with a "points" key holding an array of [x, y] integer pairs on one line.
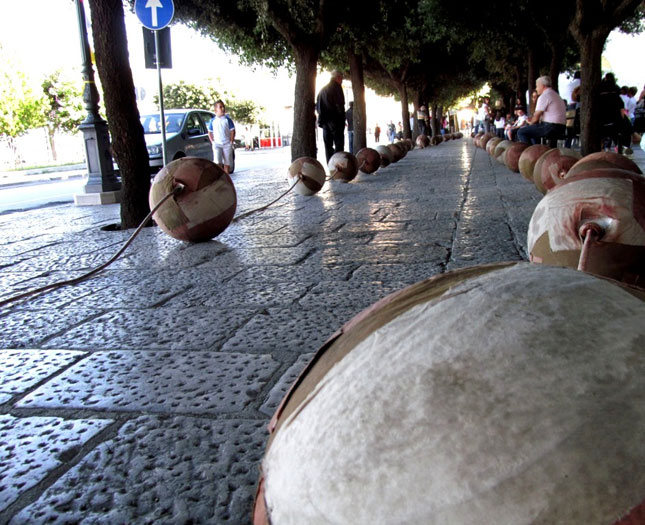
{"points": [[205, 207], [528, 158], [491, 144], [410, 144], [307, 174], [552, 166], [500, 148], [398, 152], [603, 159], [499, 394], [423, 141], [369, 160], [484, 139], [343, 166], [610, 202], [386, 155], [436, 140], [512, 156]]}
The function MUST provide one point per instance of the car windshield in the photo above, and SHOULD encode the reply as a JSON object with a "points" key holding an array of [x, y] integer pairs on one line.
{"points": [[174, 121]]}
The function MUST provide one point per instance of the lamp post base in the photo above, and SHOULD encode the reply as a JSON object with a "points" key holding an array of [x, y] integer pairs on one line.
{"points": [[103, 197]]}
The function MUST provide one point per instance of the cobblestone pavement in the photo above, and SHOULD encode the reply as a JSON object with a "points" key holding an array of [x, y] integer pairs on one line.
{"points": [[143, 394]]}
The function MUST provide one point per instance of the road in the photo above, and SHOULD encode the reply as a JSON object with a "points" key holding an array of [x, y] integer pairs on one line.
{"points": [[29, 195]]}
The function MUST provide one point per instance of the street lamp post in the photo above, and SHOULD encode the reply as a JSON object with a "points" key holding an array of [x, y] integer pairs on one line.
{"points": [[102, 186]]}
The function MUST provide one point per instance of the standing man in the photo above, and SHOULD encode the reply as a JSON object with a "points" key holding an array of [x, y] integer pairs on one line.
{"points": [[422, 119], [349, 116], [330, 105], [221, 132], [549, 118]]}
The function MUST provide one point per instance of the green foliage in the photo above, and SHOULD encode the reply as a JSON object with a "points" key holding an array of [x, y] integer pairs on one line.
{"points": [[20, 108], [634, 24], [63, 104], [183, 95]]}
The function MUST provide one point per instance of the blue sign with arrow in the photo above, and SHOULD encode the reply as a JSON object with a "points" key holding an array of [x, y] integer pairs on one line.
{"points": [[154, 14]]}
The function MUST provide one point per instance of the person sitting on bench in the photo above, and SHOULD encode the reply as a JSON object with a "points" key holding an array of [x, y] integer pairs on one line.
{"points": [[548, 120]]}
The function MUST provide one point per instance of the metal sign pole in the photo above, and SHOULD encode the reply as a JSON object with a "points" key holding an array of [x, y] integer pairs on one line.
{"points": [[163, 117]]}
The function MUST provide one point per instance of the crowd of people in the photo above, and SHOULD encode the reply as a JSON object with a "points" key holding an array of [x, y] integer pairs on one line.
{"points": [[555, 117]]}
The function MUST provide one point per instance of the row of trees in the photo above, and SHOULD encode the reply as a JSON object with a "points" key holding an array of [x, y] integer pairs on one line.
{"points": [[56, 106], [428, 51], [184, 95]]}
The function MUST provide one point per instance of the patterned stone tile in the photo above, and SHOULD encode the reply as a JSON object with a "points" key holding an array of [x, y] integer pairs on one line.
{"points": [[30, 448], [297, 329], [160, 470], [27, 329], [171, 382], [22, 369], [283, 385], [190, 328]]}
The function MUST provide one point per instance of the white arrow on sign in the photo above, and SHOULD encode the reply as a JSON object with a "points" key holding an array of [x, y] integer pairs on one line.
{"points": [[153, 5]]}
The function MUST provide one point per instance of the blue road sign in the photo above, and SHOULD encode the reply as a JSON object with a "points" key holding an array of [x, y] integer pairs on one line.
{"points": [[154, 14]]}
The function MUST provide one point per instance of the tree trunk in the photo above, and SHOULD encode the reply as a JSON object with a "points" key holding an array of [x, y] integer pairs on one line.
{"points": [[532, 75], [358, 89], [590, 76], [52, 144], [591, 26], [433, 120], [405, 110], [303, 143], [128, 144], [520, 87], [555, 66]]}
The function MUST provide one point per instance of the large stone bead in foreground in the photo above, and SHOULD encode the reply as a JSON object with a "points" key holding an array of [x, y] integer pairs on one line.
{"points": [[386, 155], [609, 201], [507, 394], [206, 206], [307, 174], [369, 160], [343, 166]]}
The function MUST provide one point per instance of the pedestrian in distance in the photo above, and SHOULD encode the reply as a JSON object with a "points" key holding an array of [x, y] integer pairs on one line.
{"points": [[330, 105], [349, 116], [377, 134], [221, 132]]}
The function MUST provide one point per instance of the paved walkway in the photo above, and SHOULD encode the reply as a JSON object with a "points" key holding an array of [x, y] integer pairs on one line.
{"points": [[142, 395]]}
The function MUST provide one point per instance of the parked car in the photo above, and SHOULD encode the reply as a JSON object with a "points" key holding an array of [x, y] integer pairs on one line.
{"points": [[186, 136]]}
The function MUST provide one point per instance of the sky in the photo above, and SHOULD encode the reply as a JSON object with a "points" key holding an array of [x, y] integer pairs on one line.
{"points": [[42, 36]]}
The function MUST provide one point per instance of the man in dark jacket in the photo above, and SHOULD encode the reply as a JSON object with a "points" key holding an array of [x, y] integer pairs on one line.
{"points": [[330, 105]]}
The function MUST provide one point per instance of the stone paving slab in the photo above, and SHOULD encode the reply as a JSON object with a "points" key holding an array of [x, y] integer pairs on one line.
{"points": [[23, 369], [180, 328], [30, 448], [30, 329], [280, 389], [297, 329], [175, 382], [160, 470]]}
